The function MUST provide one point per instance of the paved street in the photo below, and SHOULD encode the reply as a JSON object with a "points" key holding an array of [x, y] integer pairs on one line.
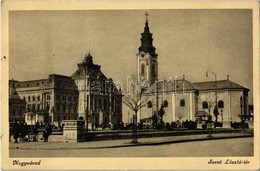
{"points": [[220, 147]]}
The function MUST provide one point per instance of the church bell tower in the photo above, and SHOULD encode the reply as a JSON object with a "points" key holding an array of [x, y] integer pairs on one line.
{"points": [[147, 57]]}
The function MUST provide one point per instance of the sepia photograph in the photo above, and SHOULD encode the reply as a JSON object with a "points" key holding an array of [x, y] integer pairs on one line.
{"points": [[128, 84]]}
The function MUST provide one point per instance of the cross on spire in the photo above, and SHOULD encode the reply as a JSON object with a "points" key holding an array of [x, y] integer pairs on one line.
{"points": [[146, 14]]}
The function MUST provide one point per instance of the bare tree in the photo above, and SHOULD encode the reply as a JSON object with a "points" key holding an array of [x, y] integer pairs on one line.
{"points": [[180, 115], [211, 103], [134, 100]]}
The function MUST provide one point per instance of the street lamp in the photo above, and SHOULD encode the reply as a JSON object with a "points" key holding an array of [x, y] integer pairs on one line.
{"points": [[216, 96], [31, 117], [242, 116]]}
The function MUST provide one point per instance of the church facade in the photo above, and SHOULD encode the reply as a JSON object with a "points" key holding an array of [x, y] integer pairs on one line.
{"points": [[224, 100]]}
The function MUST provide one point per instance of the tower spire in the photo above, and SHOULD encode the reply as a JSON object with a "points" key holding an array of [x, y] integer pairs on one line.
{"points": [[146, 14]]}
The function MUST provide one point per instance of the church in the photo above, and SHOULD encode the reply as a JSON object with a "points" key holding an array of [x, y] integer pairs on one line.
{"points": [[225, 100]]}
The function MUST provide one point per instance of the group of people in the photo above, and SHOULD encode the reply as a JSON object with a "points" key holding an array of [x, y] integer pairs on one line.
{"points": [[20, 130]]}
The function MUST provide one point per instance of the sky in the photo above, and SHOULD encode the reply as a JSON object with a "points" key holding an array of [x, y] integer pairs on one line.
{"points": [[187, 42]]}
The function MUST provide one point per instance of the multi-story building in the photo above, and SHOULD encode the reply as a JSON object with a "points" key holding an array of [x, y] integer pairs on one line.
{"points": [[61, 98], [49, 100], [100, 102], [16, 104]]}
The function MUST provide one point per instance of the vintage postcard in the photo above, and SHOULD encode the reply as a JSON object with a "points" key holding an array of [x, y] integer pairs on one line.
{"points": [[121, 85]]}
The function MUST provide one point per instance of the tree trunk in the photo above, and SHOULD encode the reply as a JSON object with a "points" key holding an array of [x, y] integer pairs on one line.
{"points": [[135, 128]]}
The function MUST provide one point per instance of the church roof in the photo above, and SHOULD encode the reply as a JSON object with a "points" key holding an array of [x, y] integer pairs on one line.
{"points": [[171, 86], [185, 85], [89, 67], [221, 84]]}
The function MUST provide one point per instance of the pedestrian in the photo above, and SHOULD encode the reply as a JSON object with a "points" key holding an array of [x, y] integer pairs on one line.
{"points": [[35, 133], [16, 131], [47, 132]]}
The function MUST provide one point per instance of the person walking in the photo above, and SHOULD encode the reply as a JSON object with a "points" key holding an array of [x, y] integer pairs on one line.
{"points": [[16, 131], [35, 133], [47, 132]]}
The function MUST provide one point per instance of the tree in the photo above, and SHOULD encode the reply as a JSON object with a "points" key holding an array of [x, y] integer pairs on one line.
{"points": [[180, 115], [210, 99], [161, 113], [133, 99]]}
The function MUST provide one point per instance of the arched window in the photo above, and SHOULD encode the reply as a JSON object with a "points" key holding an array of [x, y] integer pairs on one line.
{"points": [[39, 98], [220, 104], [149, 104], [153, 69], [182, 102], [142, 68], [33, 98], [165, 103], [205, 105], [29, 98]]}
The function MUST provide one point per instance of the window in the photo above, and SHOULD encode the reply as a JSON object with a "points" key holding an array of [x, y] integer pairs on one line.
{"points": [[58, 107], [33, 108], [105, 104], [64, 107], [220, 104], [69, 107], [39, 98], [75, 108], [165, 103], [69, 98], [58, 97], [99, 103], [149, 104], [64, 97], [64, 117], [142, 68], [29, 98], [38, 107], [205, 105], [48, 106], [48, 97], [182, 102]]}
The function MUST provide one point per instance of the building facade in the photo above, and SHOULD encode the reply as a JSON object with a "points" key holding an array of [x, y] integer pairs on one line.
{"points": [[88, 92], [16, 104], [100, 102], [182, 99]]}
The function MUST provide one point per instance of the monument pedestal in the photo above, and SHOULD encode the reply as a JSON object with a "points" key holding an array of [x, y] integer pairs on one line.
{"points": [[250, 124], [73, 131], [226, 124]]}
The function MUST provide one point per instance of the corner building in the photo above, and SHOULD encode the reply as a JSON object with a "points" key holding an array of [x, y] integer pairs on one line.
{"points": [[87, 95]]}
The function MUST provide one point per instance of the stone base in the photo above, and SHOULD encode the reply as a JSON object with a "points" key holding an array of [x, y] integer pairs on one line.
{"points": [[73, 131], [226, 124], [250, 124]]}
